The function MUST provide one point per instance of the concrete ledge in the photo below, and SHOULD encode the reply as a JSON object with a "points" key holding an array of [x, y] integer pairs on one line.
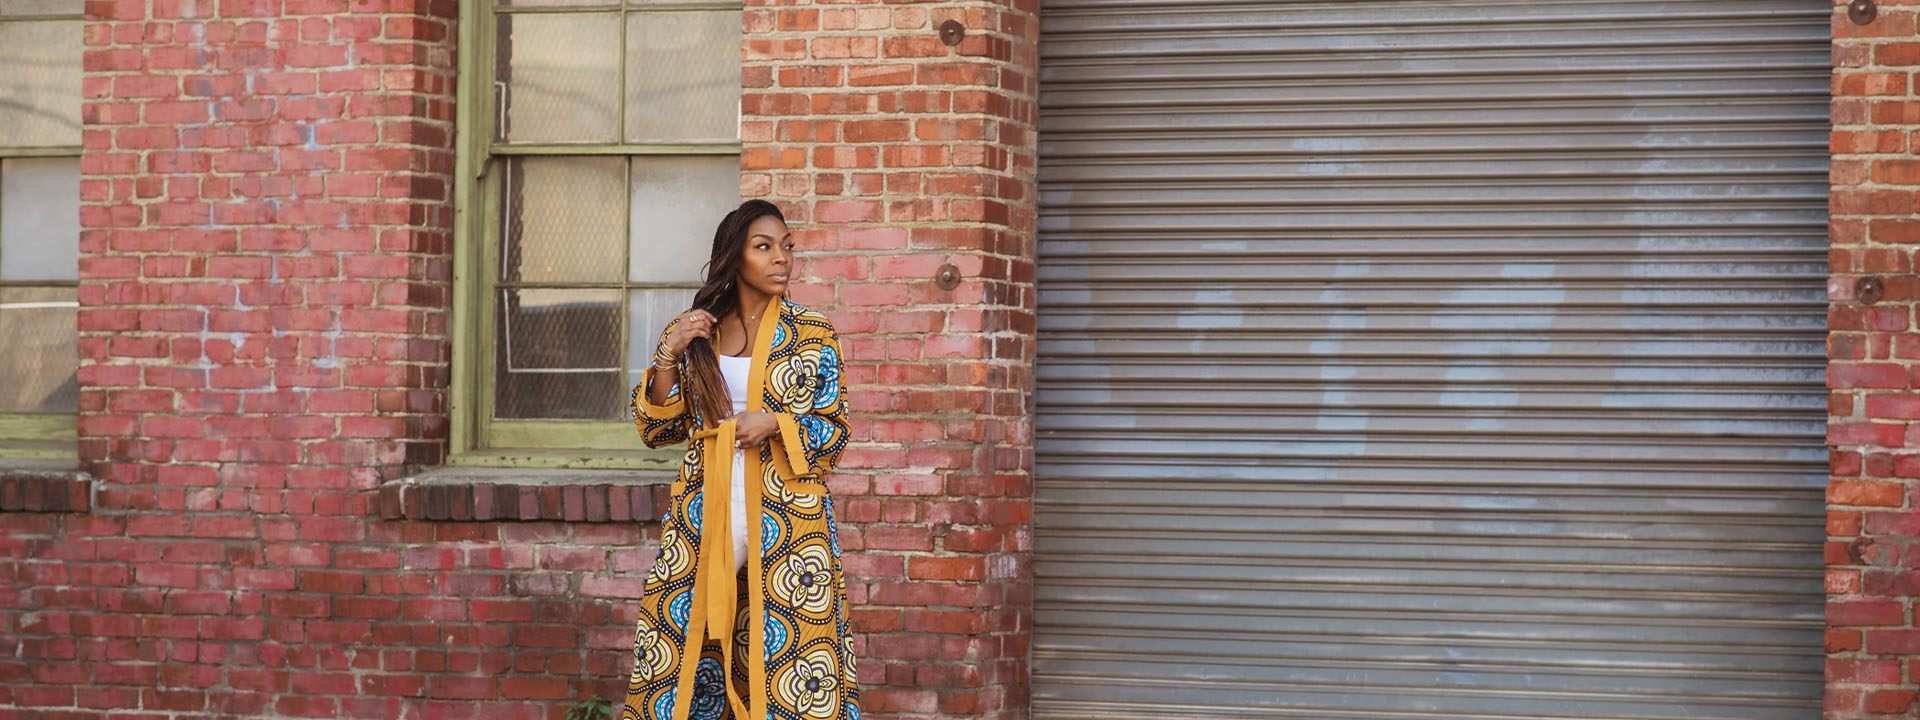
{"points": [[507, 494], [44, 486]]}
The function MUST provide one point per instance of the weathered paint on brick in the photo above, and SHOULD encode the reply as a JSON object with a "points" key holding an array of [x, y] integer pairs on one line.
{"points": [[1873, 523], [895, 154]]}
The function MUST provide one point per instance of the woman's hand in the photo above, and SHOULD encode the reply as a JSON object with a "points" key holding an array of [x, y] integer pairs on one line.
{"points": [[752, 428], [689, 325]]}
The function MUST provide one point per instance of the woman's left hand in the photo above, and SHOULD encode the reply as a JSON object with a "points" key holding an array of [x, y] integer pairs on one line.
{"points": [[753, 428]]}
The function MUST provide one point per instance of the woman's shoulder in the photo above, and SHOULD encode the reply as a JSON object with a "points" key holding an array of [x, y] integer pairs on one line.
{"points": [[804, 318]]}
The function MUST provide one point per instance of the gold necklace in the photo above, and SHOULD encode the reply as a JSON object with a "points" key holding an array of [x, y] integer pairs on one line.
{"points": [[746, 337]]}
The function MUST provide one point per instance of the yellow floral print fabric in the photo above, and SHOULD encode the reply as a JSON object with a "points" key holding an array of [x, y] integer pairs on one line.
{"points": [[791, 657]]}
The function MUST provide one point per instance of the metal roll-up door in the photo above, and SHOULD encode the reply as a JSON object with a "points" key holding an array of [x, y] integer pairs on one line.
{"points": [[1431, 360]]}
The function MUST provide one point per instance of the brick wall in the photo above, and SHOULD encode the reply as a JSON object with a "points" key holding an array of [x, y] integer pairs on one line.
{"points": [[265, 298], [898, 154], [1873, 516]]}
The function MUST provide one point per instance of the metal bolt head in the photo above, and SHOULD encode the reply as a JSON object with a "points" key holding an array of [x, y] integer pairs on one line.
{"points": [[1862, 11], [948, 277], [952, 31], [1869, 290]]}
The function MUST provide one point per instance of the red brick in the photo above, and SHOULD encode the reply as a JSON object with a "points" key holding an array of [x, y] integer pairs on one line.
{"points": [[1863, 671], [1842, 613], [847, 211], [945, 568], [859, 131], [1889, 701], [1843, 492], [1878, 434], [1893, 406]]}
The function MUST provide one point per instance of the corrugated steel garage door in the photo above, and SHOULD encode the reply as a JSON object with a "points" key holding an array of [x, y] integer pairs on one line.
{"points": [[1431, 359]]}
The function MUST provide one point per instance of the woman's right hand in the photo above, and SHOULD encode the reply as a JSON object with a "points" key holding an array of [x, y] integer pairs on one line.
{"points": [[689, 325]]}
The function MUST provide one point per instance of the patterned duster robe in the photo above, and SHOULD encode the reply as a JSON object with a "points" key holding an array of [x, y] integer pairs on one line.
{"points": [[779, 627]]}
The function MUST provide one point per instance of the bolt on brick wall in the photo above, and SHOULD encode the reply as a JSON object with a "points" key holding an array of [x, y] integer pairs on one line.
{"points": [[895, 154], [1873, 509]]}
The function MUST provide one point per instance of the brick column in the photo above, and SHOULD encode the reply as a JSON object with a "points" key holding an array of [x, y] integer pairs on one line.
{"points": [[264, 281], [896, 155], [1873, 498]]}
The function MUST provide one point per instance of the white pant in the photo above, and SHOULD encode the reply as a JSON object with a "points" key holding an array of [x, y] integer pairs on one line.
{"points": [[738, 518]]}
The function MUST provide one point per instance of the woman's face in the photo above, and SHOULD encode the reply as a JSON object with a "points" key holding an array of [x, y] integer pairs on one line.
{"points": [[766, 263]]}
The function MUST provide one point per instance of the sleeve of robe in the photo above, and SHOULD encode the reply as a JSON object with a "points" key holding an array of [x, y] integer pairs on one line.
{"points": [[822, 427], [660, 425]]}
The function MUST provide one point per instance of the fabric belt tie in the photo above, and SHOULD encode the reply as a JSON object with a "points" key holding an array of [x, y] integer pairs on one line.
{"points": [[713, 569]]}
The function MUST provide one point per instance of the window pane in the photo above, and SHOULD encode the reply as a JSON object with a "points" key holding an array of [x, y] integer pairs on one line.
{"points": [[40, 98], [37, 369], [564, 219], [648, 312], [40, 219], [562, 76], [558, 355], [683, 76], [677, 203]]}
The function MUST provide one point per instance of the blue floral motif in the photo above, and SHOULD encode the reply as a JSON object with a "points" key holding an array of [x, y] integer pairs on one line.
{"points": [[779, 334], [680, 608], [819, 431], [709, 691], [769, 532], [853, 709], [833, 534], [693, 508], [829, 391], [663, 705], [777, 634]]}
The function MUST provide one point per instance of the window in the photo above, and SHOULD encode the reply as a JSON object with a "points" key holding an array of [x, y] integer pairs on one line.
{"points": [[39, 227], [600, 146]]}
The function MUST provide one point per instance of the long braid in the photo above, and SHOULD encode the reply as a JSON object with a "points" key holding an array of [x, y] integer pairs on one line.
{"points": [[705, 384]]}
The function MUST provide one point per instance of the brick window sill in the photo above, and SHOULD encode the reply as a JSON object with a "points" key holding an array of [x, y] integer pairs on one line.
{"points": [[51, 486], [519, 494]]}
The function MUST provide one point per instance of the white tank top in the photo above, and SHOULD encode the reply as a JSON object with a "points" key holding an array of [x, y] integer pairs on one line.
{"points": [[734, 370]]}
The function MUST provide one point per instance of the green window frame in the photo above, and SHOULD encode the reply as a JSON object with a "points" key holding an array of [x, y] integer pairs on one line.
{"points": [[483, 163], [43, 80]]}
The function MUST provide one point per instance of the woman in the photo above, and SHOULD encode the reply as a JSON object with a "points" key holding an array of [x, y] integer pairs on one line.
{"points": [[752, 383]]}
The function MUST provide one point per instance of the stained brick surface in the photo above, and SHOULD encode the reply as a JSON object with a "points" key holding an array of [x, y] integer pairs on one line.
{"points": [[1873, 509], [896, 155], [264, 352]]}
